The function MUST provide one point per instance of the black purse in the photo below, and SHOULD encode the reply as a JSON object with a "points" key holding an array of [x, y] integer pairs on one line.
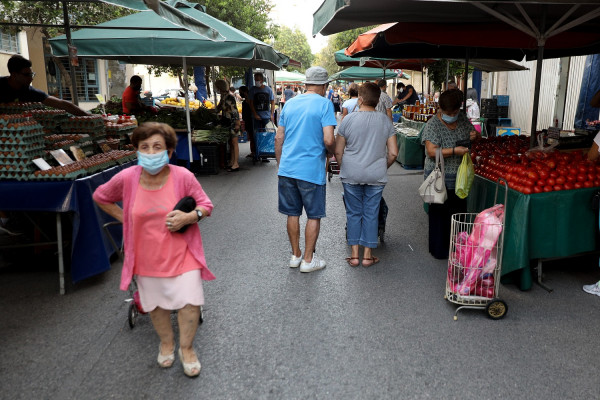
{"points": [[186, 205]]}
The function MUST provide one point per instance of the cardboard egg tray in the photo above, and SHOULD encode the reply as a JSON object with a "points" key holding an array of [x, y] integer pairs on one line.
{"points": [[17, 108]]}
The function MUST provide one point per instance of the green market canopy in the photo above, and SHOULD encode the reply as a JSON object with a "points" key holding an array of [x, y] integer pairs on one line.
{"points": [[362, 74]]}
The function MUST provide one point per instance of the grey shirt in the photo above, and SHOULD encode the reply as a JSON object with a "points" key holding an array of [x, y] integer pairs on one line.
{"points": [[365, 154], [385, 102]]}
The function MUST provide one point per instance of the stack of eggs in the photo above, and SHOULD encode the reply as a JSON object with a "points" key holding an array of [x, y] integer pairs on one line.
{"points": [[21, 141]]}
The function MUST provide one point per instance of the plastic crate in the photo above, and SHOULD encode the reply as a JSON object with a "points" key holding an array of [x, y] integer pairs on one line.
{"points": [[501, 100], [243, 137], [503, 112], [208, 162], [504, 122]]}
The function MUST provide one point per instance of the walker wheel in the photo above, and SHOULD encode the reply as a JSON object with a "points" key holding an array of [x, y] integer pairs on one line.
{"points": [[381, 234], [496, 309], [329, 174], [201, 320], [132, 314], [456, 317]]}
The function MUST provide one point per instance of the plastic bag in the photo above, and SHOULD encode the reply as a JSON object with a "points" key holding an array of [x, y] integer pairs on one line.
{"points": [[464, 177]]}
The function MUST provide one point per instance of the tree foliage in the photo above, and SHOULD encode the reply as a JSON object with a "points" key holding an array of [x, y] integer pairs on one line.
{"points": [[437, 72], [325, 58], [294, 44], [346, 38]]}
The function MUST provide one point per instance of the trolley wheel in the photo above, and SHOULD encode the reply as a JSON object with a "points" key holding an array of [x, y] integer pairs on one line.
{"points": [[496, 309], [329, 174], [201, 320], [381, 234], [132, 314]]}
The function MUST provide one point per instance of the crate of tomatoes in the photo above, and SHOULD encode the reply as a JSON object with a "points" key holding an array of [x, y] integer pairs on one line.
{"points": [[533, 171]]}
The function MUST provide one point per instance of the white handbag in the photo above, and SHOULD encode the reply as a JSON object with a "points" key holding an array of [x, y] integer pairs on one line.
{"points": [[433, 189]]}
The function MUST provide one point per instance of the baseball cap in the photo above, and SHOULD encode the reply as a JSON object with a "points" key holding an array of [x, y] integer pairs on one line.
{"points": [[316, 76]]}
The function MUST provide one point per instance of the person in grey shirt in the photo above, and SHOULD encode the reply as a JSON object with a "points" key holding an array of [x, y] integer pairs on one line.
{"points": [[385, 101], [365, 148]]}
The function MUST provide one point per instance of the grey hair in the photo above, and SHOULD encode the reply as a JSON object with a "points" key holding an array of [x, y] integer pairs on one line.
{"points": [[472, 94]]}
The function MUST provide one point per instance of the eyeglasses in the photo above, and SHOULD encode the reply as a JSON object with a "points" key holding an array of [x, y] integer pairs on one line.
{"points": [[28, 74]]}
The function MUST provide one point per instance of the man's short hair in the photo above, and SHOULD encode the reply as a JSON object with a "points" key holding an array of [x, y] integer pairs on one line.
{"points": [[259, 75], [400, 85], [370, 94], [135, 79], [451, 100], [382, 83], [17, 62], [353, 90]]}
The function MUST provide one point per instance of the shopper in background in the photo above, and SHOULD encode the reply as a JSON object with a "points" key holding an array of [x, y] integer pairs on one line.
{"points": [[304, 137], [288, 93], [229, 116], [365, 148], [473, 108], [593, 155], [262, 102], [248, 120], [336, 99], [169, 266], [385, 102], [17, 87], [351, 104], [451, 85], [443, 131]]}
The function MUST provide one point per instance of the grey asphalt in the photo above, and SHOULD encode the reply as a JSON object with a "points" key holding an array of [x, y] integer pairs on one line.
{"points": [[270, 332]]}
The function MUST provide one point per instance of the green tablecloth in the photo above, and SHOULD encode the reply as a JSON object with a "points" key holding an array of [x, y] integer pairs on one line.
{"points": [[411, 153], [544, 225]]}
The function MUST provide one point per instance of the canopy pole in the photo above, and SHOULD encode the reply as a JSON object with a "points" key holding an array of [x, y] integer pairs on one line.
{"points": [[75, 98], [422, 81], [538, 81], [447, 74], [466, 80], [187, 109]]}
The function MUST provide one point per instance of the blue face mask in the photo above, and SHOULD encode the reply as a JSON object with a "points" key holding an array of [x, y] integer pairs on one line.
{"points": [[153, 163], [448, 119]]}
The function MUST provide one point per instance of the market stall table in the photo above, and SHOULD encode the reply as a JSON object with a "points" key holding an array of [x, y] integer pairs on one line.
{"points": [[411, 153], [540, 226], [91, 249]]}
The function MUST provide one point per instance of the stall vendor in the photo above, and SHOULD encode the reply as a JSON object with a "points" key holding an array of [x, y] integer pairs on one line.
{"points": [[132, 103], [406, 94], [17, 87]]}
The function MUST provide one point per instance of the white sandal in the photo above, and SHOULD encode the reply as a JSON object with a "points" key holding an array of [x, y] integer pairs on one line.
{"points": [[165, 361], [188, 368]]}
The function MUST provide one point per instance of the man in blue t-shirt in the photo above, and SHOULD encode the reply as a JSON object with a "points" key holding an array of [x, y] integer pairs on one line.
{"points": [[304, 137], [17, 87], [261, 101]]}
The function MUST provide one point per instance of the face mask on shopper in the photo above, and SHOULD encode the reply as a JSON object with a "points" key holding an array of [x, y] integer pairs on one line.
{"points": [[401, 90], [448, 119], [153, 163]]}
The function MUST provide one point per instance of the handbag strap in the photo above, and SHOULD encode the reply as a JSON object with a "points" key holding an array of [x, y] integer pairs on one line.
{"points": [[439, 163]]}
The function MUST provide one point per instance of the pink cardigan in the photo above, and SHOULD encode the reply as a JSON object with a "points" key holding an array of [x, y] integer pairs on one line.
{"points": [[123, 187]]}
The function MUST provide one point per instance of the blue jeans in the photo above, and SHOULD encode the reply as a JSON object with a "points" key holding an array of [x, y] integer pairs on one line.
{"points": [[362, 213], [295, 194]]}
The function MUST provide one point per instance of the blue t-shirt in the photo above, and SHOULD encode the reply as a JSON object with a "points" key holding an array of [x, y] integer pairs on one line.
{"points": [[9, 95], [261, 98], [303, 155], [351, 105]]}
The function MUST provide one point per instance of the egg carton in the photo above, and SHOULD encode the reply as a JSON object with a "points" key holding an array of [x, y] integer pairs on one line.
{"points": [[18, 108]]}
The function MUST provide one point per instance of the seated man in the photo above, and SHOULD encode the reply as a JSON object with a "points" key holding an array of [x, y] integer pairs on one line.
{"points": [[132, 103], [17, 87]]}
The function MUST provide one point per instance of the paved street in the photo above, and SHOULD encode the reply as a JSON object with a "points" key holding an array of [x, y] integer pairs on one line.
{"points": [[271, 332]]}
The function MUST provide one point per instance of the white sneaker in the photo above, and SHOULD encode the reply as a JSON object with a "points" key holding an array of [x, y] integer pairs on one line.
{"points": [[315, 265], [592, 289], [295, 261]]}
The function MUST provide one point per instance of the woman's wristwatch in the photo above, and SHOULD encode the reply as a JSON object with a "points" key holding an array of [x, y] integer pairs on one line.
{"points": [[199, 214]]}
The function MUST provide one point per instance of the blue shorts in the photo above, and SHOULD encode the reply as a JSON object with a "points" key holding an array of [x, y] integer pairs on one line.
{"points": [[294, 194]]}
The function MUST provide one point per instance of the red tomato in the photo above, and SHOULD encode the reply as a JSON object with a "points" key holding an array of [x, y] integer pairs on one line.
{"points": [[588, 184], [554, 174], [550, 181], [533, 175], [573, 171], [527, 190], [597, 183], [543, 174], [568, 186], [591, 177], [561, 180], [578, 185], [558, 188], [581, 177], [582, 169], [541, 183], [572, 178], [551, 164], [538, 189], [548, 188]]}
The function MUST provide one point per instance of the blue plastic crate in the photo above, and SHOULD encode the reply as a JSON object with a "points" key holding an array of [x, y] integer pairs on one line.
{"points": [[502, 100], [504, 122], [243, 137]]}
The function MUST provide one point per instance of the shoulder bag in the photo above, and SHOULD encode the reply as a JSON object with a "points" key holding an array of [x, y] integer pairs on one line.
{"points": [[433, 189]]}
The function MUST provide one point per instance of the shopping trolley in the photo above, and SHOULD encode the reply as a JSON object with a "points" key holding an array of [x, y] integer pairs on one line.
{"points": [[135, 305], [475, 259], [333, 167], [265, 144]]}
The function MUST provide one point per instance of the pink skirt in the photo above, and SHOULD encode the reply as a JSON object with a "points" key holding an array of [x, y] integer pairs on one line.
{"points": [[171, 293]]}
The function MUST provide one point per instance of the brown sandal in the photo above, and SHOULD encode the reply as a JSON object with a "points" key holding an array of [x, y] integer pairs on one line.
{"points": [[374, 260], [350, 263]]}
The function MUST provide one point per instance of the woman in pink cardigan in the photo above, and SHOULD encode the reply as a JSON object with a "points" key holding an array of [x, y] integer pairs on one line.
{"points": [[169, 265]]}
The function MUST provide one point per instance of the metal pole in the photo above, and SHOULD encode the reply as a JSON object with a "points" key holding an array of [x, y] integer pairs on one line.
{"points": [[187, 109], [422, 80], [466, 78], [75, 99], [538, 80], [61, 259]]}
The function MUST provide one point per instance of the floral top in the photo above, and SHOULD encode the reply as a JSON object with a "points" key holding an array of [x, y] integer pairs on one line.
{"points": [[228, 108], [438, 134]]}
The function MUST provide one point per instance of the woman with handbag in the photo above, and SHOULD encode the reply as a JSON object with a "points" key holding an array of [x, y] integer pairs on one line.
{"points": [[446, 131], [168, 262], [365, 148]]}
